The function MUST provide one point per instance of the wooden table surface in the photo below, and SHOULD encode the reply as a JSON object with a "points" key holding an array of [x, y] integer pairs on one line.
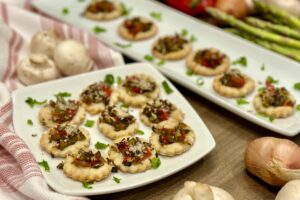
{"points": [[223, 167]]}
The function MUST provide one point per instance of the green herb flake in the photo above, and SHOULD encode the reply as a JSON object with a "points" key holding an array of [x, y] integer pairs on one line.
{"points": [[298, 107], [270, 79], [155, 162], [109, 79], [166, 87], [297, 86], [45, 165], [31, 102], [100, 145], [263, 67], [271, 118], [125, 10], [194, 4], [184, 32], [89, 123], [80, 0], [140, 132], [87, 185], [99, 29], [119, 80], [29, 122], [63, 94], [241, 61], [161, 63], [117, 180], [148, 58], [193, 38], [123, 45], [156, 15], [65, 11], [241, 101], [189, 72], [200, 81]]}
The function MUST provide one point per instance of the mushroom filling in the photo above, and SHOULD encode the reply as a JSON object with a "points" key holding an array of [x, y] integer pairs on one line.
{"points": [[101, 6], [133, 150], [170, 44], [272, 96], [63, 110], [86, 158], [233, 78], [158, 111], [136, 85], [97, 93], [209, 58], [118, 117], [172, 135], [65, 135], [136, 25]]}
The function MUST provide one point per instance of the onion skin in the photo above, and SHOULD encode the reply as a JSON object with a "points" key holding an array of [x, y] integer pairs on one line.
{"points": [[236, 8]]}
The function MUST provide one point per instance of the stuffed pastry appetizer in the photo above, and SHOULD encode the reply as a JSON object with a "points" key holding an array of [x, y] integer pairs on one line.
{"points": [[275, 102], [87, 166], [158, 111], [131, 154], [137, 28], [98, 95], [103, 10], [116, 121], [172, 138], [233, 84], [138, 89], [208, 62], [61, 111], [171, 47], [64, 139]]}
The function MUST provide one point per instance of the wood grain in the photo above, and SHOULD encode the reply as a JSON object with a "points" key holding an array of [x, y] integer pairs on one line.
{"points": [[223, 167]]}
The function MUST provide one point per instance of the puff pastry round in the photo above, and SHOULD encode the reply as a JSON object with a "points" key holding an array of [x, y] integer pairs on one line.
{"points": [[233, 84], [208, 62], [138, 89], [137, 28], [59, 147], [103, 10]]}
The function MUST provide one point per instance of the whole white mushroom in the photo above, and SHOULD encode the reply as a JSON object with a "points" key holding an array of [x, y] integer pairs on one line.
{"points": [[71, 57], [44, 42], [37, 68]]}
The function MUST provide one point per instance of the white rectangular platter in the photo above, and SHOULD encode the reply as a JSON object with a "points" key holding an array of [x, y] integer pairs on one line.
{"points": [[279, 67], [22, 112]]}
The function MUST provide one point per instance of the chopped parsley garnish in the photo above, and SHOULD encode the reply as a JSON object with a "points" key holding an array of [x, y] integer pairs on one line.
{"points": [[89, 123], [241, 61], [117, 180], [189, 72], [63, 94], [184, 32], [262, 68], [166, 87], [298, 107], [200, 81], [119, 79], [241, 101], [45, 165], [29, 122], [31, 102], [65, 11], [99, 29], [271, 118], [148, 58], [297, 86], [194, 4], [155, 162], [123, 45], [86, 185], [156, 15], [140, 132], [193, 39], [270, 79], [109, 79], [100, 145], [161, 63], [125, 10]]}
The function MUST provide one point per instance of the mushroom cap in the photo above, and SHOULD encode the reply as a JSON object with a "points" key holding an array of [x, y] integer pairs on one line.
{"points": [[44, 42], [71, 58], [37, 68]]}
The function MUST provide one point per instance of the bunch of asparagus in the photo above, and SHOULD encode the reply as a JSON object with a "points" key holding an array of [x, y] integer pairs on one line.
{"points": [[281, 33]]}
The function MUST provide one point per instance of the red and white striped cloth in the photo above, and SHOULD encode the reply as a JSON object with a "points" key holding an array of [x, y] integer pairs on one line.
{"points": [[20, 176]]}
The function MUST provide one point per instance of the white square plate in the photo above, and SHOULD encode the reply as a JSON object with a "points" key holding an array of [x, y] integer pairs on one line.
{"points": [[281, 68], [22, 112]]}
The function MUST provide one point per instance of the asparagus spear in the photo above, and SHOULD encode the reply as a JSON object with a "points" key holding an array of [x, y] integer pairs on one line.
{"points": [[287, 18], [286, 51], [265, 35], [281, 29]]}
